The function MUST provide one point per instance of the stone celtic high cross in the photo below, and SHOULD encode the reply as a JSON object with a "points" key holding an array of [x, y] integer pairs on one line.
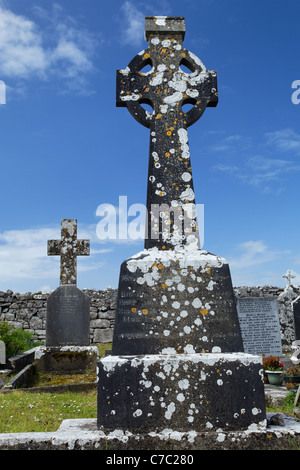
{"points": [[68, 248], [177, 360], [167, 88]]}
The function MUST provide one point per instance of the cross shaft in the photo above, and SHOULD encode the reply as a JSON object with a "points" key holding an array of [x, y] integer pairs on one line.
{"points": [[171, 208], [68, 248]]}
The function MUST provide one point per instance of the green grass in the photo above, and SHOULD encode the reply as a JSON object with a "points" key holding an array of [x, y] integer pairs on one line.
{"points": [[22, 411], [287, 406]]}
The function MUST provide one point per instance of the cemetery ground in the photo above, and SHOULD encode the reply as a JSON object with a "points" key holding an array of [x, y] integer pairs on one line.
{"points": [[26, 411], [34, 410]]}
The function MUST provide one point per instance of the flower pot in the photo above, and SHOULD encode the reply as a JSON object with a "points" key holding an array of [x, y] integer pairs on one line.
{"points": [[275, 377]]}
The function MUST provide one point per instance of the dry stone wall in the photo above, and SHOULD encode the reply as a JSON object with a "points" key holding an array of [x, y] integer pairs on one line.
{"points": [[29, 310]]}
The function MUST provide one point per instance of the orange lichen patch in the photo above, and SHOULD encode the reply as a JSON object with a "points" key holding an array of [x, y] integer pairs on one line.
{"points": [[146, 56], [164, 286], [160, 266], [167, 154], [169, 133], [163, 247], [133, 310], [159, 116], [208, 271], [145, 311], [204, 311]]}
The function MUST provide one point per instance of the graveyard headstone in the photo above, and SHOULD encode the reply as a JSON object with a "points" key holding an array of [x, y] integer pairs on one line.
{"points": [[68, 317], [289, 276], [2, 352], [68, 308], [285, 308], [259, 321], [296, 310], [177, 359]]}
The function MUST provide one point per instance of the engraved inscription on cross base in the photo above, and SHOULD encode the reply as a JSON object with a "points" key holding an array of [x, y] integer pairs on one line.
{"points": [[68, 248], [171, 207]]}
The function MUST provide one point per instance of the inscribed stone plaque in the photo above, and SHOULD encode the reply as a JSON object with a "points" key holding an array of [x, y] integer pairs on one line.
{"points": [[68, 317], [2, 353], [259, 323], [296, 308]]}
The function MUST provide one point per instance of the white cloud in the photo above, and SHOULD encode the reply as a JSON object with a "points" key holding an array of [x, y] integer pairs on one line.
{"points": [[255, 263], [55, 48], [134, 19], [286, 140], [21, 50], [256, 169], [23, 254], [252, 253]]}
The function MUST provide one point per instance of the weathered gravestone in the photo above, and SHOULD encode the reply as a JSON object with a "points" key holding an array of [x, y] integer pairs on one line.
{"points": [[286, 316], [260, 327], [68, 308], [2, 353], [177, 359], [296, 310]]}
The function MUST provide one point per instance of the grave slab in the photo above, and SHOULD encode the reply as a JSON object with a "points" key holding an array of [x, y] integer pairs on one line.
{"points": [[260, 327], [82, 434]]}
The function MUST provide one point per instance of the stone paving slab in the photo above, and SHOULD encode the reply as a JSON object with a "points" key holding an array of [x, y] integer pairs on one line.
{"points": [[82, 434]]}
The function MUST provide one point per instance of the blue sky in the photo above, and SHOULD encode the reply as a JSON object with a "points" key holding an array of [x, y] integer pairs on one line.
{"points": [[66, 149]]}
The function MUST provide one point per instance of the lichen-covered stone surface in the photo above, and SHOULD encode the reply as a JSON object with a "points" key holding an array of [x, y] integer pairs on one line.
{"points": [[203, 392], [68, 248], [82, 434], [174, 360], [167, 88], [176, 302]]}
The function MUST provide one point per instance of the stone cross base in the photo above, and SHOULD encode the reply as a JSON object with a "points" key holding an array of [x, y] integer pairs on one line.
{"points": [[184, 392], [175, 302]]}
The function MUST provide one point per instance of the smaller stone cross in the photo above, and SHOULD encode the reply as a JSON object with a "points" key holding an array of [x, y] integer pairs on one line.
{"points": [[289, 276], [68, 248]]}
